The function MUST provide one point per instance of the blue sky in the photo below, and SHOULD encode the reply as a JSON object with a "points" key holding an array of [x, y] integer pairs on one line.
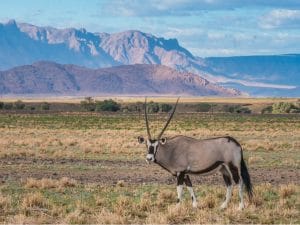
{"points": [[204, 27]]}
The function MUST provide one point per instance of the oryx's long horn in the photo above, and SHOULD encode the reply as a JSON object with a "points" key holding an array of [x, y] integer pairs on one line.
{"points": [[169, 120], [146, 119]]}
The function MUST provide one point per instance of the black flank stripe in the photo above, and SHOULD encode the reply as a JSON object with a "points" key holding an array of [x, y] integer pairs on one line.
{"points": [[212, 167]]}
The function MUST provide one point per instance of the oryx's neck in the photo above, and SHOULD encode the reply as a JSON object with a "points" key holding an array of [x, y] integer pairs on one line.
{"points": [[163, 157]]}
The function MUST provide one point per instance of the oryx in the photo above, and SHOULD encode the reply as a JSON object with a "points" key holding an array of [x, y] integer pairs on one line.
{"points": [[182, 155]]}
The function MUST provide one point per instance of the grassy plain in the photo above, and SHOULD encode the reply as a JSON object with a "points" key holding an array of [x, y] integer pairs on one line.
{"points": [[89, 168]]}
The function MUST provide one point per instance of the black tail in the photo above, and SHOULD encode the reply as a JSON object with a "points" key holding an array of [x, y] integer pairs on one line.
{"points": [[246, 178]]}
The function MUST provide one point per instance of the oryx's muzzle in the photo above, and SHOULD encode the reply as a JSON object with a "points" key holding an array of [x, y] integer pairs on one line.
{"points": [[150, 157]]}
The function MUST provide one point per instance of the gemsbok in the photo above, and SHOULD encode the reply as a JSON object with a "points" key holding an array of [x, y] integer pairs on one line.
{"points": [[182, 156]]}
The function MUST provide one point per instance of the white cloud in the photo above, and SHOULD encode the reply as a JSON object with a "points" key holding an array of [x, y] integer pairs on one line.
{"points": [[186, 7], [258, 84], [281, 18]]}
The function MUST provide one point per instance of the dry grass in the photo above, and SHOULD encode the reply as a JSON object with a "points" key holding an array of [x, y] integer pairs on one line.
{"points": [[286, 191], [76, 217], [5, 203], [107, 217], [266, 144], [136, 204], [32, 200], [46, 183]]}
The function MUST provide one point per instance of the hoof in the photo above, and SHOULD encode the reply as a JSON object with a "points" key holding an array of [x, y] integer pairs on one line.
{"points": [[241, 207], [195, 204], [223, 206]]}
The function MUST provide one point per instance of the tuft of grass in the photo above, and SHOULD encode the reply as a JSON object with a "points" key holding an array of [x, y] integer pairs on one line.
{"points": [[5, 203], [34, 201], [76, 217], [209, 202], [287, 190], [67, 182], [107, 217], [179, 214], [46, 183]]}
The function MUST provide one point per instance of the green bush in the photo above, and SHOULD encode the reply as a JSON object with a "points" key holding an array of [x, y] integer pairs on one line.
{"points": [[295, 110], [88, 104], [203, 107], [1, 105], [30, 107], [227, 108], [107, 105], [45, 106], [165, 107], [8, 106], [153, 107], [267, 109], [236, 109], [19, 105], [243, 110], [134, 107], [283, 107]]}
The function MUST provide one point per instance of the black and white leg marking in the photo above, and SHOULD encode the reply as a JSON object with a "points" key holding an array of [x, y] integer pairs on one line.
{"points": [[241, 205], [188, 184], [227, 176], [180, 180]]}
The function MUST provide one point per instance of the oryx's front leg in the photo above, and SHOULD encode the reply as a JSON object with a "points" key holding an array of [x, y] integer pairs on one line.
{"points": [[180, 180], [188, 183]]}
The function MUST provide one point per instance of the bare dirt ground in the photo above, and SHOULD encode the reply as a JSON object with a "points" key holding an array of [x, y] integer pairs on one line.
{"points": [[109, 172]]}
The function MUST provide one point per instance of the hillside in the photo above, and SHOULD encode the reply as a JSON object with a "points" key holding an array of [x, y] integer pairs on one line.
{"points": [[50, 78]]}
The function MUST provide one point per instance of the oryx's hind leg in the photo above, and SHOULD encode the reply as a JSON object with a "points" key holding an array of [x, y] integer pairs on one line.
{"points": [[189, 186], [227, 176], [237, 177], [241, 205]]}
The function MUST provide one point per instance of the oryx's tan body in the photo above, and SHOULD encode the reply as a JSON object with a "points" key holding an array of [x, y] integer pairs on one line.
{"points": [[196, 156]]}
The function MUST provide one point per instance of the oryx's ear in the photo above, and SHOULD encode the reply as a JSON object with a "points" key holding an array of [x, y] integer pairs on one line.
{"points": [[163, 141], [141, 139]]}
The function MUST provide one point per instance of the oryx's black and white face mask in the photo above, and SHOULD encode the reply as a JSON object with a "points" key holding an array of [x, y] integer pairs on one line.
{"points": [[152, 147]]}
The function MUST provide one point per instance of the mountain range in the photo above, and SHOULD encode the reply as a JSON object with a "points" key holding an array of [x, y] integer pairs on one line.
{"points": [[25, 44], [48, 78]]}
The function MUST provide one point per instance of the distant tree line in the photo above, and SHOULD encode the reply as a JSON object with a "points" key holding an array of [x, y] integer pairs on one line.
{"points": [[89, 104], [12, 105], [282, 107], [227, 108], [109, 105], [19, 105]]}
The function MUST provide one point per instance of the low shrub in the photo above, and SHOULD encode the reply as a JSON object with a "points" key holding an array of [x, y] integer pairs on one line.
{"points": [[284, 107], [107, 105], [8, 106], [88, 104], [267, 109], [165, 107], [45, 106], [236, 109], [19, 105], [203, 107]]}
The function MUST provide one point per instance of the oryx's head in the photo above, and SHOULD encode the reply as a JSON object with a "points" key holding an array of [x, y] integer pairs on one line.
{"points": [[152, 144]]}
